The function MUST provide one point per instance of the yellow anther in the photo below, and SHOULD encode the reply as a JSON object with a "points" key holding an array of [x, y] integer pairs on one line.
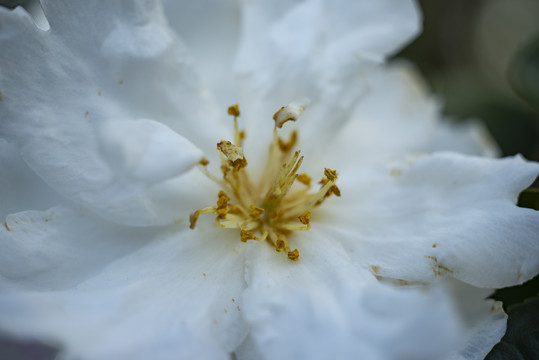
{"points": [[255, 212], [334, 189], [280, 245], [203, 162], [246, 235], [305, 218], [193, 217], [304, 179], [234, 110], [242, 135], [330, 174], [222, 204], [293, 255], [233, 153], [222, 196]]}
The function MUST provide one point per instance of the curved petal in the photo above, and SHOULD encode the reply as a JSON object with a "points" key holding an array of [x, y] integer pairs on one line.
{"points": [[162, 296], [440, 215], [322, 50], [94, 65], [284, 41]]}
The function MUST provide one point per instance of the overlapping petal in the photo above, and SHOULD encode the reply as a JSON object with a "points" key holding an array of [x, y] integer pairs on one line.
{"points": [[164, 293], [80, 77]]}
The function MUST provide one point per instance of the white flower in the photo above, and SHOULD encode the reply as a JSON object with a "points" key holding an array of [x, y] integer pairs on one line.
{"points": [[103, 119]]}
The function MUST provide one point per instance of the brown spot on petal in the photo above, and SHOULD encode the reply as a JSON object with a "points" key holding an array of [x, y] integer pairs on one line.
{"points": [[7, 227], [375, 269]]}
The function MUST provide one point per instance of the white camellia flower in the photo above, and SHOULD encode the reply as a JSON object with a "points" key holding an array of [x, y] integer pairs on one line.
{"points": [[128, 235]]}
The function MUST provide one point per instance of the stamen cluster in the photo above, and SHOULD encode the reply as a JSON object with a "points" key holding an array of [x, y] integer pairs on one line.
{"points": [[272, 209]]}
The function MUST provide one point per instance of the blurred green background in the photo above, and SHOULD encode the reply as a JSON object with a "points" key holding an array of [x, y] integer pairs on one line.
{"points": [[468, 51], [481, 58]]}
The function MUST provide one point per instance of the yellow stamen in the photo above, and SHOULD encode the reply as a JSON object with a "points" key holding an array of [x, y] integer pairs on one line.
{"points": [[274, 208]]}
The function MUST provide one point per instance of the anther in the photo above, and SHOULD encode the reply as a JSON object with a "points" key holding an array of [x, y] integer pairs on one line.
{"points": [[204, 162], [255, 212], [330, 174], [304, 179], [293, 255], [305, 218], [234, 110], [246, 235], [290, 112], [193, 217], [233, 153]]}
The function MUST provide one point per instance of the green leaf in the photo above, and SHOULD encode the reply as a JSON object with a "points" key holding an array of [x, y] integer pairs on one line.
{"points": [[521, 340], [523, 73], [529, 198]]}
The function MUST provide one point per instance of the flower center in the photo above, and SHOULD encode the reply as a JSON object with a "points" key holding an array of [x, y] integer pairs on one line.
{"points": [[280, 203]]}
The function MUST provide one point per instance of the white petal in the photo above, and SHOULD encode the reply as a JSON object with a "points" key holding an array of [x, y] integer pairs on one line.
{"points": [[146, 150], [315, 49], [285, 40], [176, 295], [21, 188], [470, 138], [61, 247], [322, 308], [439, 215], [210, 29], [485, 321], [58, 87]]}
